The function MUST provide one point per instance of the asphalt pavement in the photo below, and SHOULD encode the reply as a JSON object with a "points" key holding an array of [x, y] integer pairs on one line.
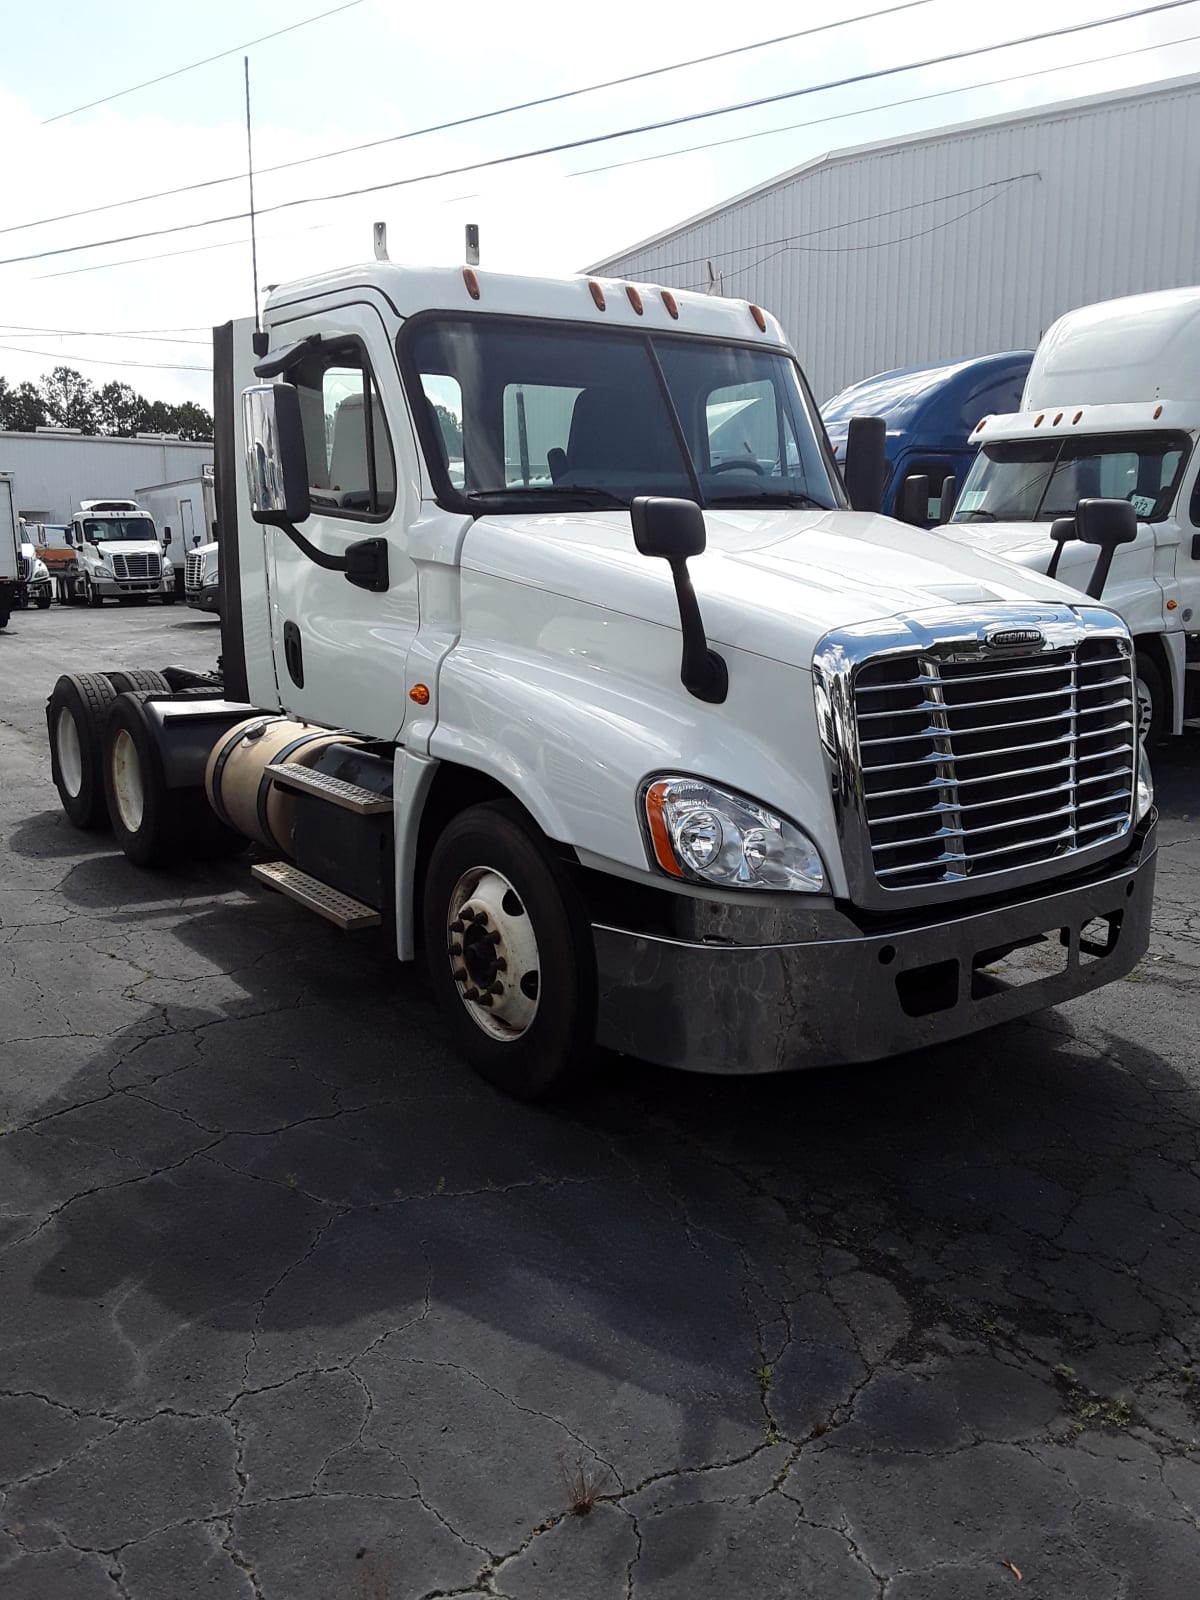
{"points": [[293, 1307]]}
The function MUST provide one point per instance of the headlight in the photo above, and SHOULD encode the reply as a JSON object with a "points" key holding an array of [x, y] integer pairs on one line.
{"points": [[41, 571], [1145, 783], [168, 569], [211, 579], [712, 836]]}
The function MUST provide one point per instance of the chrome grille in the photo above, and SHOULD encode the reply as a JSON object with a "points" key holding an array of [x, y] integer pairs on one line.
{"points": [[986, 763], [135, 565], [194, 571]]}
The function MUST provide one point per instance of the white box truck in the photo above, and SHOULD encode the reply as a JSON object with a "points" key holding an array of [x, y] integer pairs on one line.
{"points": [[185, 514], [677, 750], [1111, 408], [10, 554]]}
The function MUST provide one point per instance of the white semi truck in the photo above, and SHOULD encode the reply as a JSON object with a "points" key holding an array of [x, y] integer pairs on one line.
{"points": [[185, 513], [118, 556], [644, 743], [1111, 408]]}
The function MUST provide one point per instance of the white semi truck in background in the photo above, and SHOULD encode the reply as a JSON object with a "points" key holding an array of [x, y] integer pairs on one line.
{"points": [[672, 748], [185, 513], [118, 555], [1111, 408]]}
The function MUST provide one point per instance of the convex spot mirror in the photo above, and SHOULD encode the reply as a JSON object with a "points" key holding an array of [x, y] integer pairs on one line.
{"points": [[672, 529], [276, 463]]}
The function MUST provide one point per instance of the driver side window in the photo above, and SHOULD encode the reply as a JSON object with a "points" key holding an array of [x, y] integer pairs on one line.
{"points": [[351, 468]]}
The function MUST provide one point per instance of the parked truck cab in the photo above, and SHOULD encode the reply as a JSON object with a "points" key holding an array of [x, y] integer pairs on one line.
{"points": [[1111, 409], [10, 554], [551, 643], [118, 556], [930, 413], [34, 586]]}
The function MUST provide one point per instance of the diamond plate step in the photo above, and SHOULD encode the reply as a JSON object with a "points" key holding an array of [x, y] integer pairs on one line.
{"points": [[336, 790], [336, 907]]}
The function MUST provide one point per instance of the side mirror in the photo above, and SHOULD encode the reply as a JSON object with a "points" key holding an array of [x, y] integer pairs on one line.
{"points": [[276, 463], [865, 472], [1106, 524], [948, 496], [166, 537], [914, 501], [1062, 531], [674, 530]]}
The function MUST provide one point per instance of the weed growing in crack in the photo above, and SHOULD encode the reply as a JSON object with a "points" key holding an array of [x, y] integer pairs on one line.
{"points": [[1089, 1409], [765, 1375], [583, 1487]]}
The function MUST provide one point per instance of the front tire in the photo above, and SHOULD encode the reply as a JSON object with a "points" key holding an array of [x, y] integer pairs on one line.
{"points": [[1151, 691], [510, 952], [75, 719], [43, 602], [94, 598], [168, 599]]}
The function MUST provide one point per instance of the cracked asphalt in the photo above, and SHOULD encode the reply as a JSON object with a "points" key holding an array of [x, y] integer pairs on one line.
{"points": [[292, 1307]]}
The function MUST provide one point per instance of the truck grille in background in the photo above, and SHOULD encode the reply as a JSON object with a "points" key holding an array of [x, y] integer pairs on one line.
{"points": [[136, 566], [195, 570], [23, 569], [995, 762]]}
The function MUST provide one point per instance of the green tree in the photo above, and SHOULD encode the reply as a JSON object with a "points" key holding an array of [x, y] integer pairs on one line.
{"points": [[451, 429], [120, 409], [21, 409], [193, 421], [70, 400]]}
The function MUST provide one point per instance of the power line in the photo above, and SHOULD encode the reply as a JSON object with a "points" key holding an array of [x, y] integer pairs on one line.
{"points": [[192, 65], [20, 330], [168, 255], [890, 105], [604, 138], [101, 361], [462, 122]]}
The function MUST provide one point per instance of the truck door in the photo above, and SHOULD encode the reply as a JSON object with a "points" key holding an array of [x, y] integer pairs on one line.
{"points": [[340, 650]]}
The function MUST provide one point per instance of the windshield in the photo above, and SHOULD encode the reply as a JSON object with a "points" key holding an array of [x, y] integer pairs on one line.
{"points": [[534, 415], [99, 530], [1036, 480]]}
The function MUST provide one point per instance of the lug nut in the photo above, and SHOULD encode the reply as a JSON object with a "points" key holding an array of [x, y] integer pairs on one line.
{"points": [[499, 965], [485, 999], [481, 917], [456, 949], [458, 926], [494, 936], [496, 988], [472, 993]]}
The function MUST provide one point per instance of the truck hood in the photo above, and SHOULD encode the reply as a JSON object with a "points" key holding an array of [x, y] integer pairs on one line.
{"points": [[128, 547], [773, 582], [1028, 544]]}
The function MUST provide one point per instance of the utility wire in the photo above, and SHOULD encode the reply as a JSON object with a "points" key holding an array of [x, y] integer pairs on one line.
{"points": [[462, 122], [890, 105], [21, 330], [603, 138], [192, 65], [101, 361], [169, 255]]}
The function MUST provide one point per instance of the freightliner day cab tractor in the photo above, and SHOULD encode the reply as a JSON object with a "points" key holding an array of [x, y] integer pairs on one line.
{"points": [[10, 551], [645, 746], [118, 556], [1111, 407]]}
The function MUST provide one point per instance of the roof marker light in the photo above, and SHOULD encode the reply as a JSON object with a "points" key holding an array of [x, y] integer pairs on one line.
{"points": [[979, 424], [757, 313], [668, 299], [472, 282], [1157, 412], [1076, 418], [597, 293], [1058, 419], [1039, 419], [635, 299]]}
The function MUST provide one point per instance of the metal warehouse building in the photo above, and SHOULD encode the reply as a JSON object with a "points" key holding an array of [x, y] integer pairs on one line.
{"points": [[55, 468], [944, 245]]}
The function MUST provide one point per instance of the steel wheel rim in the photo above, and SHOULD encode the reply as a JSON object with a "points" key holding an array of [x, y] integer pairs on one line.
{"points": [[70, 757], [128, 791], [1145, 709], [493, 954]]}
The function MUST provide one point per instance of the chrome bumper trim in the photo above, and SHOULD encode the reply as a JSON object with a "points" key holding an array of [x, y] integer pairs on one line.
{"points": [[771, 1007]]}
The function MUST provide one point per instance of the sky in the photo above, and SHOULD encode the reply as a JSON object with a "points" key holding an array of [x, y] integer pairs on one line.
{"points": [[375, 70]]}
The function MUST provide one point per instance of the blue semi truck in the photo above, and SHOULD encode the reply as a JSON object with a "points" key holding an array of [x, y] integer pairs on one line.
{"points": [[929, 412]]}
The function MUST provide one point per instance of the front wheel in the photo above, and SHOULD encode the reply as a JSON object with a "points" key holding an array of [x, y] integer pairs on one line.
{"points": [[168, 599], [1151, 701], [43, 602], [510, 952], [94, 598]]}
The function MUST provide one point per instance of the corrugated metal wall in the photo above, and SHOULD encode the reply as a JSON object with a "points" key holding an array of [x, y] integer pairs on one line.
{"points": [[959, 243], [53, 472]]}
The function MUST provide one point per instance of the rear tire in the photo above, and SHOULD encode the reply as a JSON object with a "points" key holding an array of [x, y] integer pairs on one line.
{"points": [[154, 824], [510, 952], [136, 678], [75, 717], [1151, 692]]}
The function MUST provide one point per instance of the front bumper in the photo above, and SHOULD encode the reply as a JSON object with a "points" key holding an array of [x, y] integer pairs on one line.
{"points": [[203, 599], [770, 1007]]}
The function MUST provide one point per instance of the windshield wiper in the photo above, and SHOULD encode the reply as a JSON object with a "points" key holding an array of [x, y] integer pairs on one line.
{"points": [[766, 497], [558, 493]]}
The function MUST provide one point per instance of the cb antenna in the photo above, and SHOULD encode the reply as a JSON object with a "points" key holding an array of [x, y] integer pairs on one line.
{"points": [[258, 333]]}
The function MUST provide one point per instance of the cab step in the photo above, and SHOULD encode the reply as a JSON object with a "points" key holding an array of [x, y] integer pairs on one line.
{"points": [[349, 796], [335, 907]]}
